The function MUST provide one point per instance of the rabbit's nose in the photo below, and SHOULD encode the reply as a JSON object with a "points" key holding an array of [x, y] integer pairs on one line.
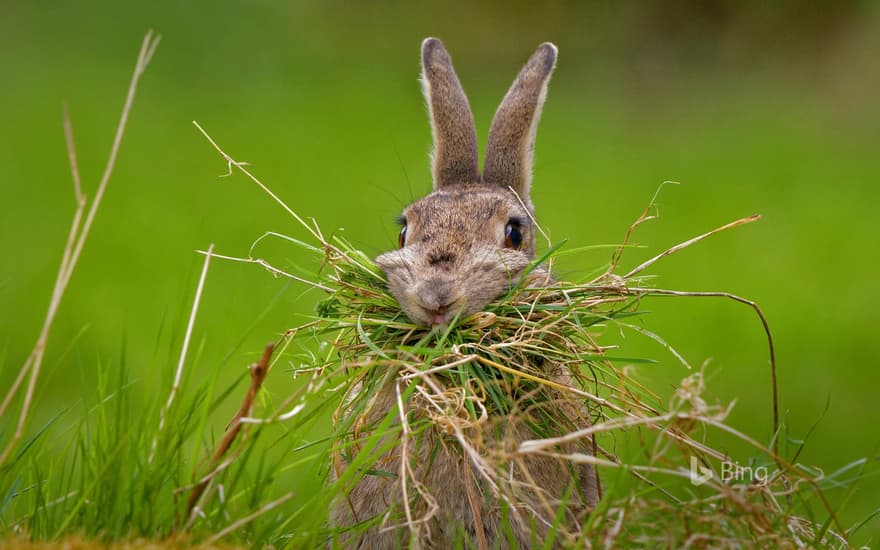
{"points": [[436, 297], [439, 258], [435, 293]]}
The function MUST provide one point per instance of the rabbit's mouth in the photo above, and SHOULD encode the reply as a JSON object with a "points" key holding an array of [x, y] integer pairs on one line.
{"points": [[441, 316], [437, 316], [438, 301], [434, 314]]}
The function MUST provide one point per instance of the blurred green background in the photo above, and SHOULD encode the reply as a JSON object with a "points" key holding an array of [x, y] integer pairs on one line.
{"points": [[754, 107]]}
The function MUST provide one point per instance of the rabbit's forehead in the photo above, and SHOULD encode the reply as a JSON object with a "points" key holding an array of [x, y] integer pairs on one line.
{"points": [[472, 205]]}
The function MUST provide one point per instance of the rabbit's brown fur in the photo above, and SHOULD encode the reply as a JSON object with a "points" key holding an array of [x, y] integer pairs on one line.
{"points": [[459, 254]]}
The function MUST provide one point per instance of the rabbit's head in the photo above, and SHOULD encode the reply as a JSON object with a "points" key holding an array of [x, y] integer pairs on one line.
{"points": [[468, 241]]}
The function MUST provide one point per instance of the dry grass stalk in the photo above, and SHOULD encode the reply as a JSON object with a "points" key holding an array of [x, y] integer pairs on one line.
{"points": [[178, 373], [76, 241]]}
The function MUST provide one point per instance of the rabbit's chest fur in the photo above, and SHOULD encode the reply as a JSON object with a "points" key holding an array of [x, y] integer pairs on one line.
{"points": [[515, 510]]}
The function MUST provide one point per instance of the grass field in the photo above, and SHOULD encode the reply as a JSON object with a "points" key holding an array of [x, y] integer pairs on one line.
{"points": [[324, 102]]}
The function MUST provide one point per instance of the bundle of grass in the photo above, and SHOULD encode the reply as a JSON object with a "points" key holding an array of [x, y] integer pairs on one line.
{"points": [[531, 362], [483, 375], [456, 400]]}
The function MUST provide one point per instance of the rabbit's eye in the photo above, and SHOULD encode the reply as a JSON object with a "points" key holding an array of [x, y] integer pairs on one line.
{"points": [[401, 237], [512, 236]]}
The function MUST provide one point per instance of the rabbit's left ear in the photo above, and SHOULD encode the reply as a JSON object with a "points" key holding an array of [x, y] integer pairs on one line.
{"points": [[511, 143]]}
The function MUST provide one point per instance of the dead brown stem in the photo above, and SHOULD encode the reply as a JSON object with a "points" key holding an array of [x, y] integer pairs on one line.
{"points": [[258, 372]]}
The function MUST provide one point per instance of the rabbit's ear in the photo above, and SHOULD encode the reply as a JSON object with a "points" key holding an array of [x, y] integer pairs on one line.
{"points": [[512, 135], [454, 160]]}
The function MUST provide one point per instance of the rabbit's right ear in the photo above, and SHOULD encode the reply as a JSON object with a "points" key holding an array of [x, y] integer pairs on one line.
{"points": [[511, 144], [454, 160]]}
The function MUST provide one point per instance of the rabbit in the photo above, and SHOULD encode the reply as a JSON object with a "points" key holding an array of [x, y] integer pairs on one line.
{"points": [[461, 247]]}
